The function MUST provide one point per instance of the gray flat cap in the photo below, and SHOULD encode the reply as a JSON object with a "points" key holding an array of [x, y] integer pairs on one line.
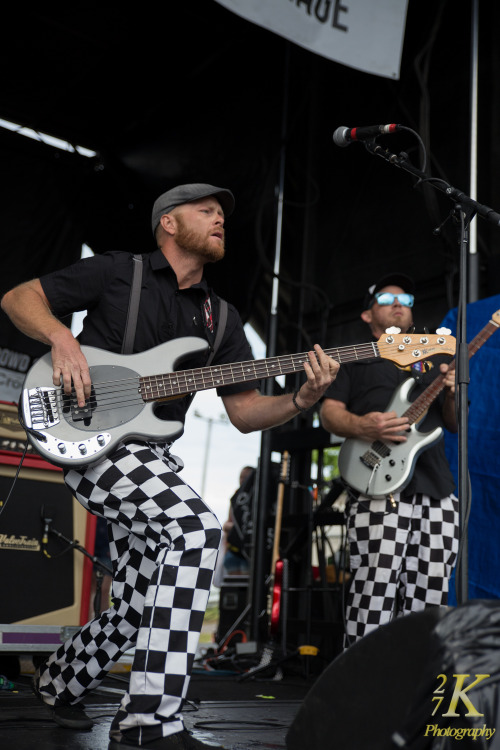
{"points": [[186, 194]]}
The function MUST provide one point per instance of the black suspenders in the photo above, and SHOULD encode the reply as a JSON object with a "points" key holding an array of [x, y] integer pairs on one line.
{"points": [[133, 309]]}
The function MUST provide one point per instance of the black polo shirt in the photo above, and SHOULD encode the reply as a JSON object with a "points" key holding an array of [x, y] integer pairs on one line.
{"points": [[101, 285], [366, 386]]}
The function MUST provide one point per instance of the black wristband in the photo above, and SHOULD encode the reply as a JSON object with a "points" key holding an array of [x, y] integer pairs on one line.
{"points": [[297, 406]]}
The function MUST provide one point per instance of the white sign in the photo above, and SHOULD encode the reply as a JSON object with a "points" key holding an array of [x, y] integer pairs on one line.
{"points": [[13, 367], [11, 383], [363, 34]]}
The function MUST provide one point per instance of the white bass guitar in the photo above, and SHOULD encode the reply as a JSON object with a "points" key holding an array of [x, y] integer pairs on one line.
{"points": [[381, 468], [121, 406]]}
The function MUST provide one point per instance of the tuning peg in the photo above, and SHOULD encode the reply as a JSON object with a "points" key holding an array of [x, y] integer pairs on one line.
{"points": [[393, 329], [411, 329]]}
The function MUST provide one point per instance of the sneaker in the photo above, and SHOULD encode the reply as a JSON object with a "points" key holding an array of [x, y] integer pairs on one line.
{"points": [[178, 741], [70, 717]]}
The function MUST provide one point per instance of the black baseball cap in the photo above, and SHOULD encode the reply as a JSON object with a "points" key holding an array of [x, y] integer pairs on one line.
{"points": [[391, 279], [186, 194]]}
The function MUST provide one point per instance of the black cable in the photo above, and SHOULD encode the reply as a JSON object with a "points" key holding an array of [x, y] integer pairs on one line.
{"points": [[423, 152], [29, 430], [228, 724], [347, 641], [4, 503], [67, 549]]}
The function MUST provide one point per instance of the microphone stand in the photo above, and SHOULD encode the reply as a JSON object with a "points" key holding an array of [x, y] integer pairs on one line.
{"points": [[464, 210], [101, 569]]}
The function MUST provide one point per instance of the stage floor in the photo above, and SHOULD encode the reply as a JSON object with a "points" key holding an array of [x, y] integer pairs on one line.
{"points": [[221, 709]]}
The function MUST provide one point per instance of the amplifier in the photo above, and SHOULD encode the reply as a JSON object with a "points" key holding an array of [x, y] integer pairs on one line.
{"points": [[42, 582]]}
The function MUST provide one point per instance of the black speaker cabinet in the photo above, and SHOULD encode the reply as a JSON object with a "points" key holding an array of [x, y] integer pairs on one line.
{"points": [[232, 602], [40, 584], [363, 696], [424, 680]]}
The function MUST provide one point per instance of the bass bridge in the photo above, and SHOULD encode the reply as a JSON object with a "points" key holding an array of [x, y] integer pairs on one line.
{"points": [[43, 408]]}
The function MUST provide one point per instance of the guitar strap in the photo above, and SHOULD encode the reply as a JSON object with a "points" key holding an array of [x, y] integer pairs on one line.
{"points": [[220, 329], [133, 310], [133, 306]]}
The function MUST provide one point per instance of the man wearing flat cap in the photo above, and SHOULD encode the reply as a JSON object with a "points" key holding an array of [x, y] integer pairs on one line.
{"points": [[401, 549], [163, 538]]}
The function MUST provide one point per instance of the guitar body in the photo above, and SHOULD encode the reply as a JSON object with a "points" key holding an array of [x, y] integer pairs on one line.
{"points": [[276, 601], [380, 468], [72, 437]]}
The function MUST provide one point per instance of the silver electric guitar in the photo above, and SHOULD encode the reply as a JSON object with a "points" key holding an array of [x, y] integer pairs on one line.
{"points": [[121, 406], [379, 469]]}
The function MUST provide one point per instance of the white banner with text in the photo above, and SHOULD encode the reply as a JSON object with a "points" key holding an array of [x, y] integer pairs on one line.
{"points": [[363, 34]]}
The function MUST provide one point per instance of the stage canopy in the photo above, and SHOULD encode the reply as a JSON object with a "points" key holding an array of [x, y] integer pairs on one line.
{"points": [[192, 91]]}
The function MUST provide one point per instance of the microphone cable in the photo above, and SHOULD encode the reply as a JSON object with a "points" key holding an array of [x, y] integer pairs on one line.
{"points": [[3, 503], [36, 434]]}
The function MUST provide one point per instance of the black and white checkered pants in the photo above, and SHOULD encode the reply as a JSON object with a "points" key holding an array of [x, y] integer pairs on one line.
{"points": [[401, 558], [163, 544]]}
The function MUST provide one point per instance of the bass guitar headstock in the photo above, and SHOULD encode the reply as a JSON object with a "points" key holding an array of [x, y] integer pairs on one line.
{"points": [[405, 348]]}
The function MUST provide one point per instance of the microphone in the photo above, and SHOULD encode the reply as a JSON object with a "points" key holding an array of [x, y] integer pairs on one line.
{"points": [[47, 518], [345, 136], [46, 529]]}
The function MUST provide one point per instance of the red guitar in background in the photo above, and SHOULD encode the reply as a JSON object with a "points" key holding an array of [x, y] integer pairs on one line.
{"points": [[276, 578]]}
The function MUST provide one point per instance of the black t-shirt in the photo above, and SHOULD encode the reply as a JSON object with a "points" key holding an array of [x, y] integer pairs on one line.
{"points": [[101, 285], [369, 386]]}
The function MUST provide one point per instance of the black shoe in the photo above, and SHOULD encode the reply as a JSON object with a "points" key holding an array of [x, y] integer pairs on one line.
{"points": [[178, 741], [70, 717]]}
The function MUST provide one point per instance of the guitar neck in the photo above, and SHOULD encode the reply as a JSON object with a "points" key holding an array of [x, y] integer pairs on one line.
{"points": [[183, 382], [421, 404]]}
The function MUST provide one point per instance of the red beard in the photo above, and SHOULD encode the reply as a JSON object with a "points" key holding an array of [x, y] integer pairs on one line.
{"points": [[195, 243]]}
